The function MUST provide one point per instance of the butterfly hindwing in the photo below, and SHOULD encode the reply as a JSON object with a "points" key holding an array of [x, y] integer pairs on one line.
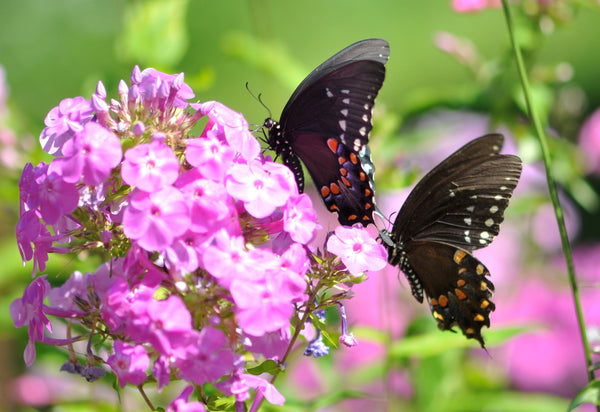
{"points": [[326, 124], [456, 284]]}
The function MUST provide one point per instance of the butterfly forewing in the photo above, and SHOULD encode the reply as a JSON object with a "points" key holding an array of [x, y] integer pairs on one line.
{"points": [[462, 200], [456, 208], [326, 124]]}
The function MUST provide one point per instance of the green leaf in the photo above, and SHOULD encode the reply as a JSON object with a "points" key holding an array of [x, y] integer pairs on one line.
{"points": [[270, 366], [589, 394]]}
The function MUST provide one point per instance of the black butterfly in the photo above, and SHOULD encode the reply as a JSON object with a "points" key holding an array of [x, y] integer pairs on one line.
{"points": [[326, 123], [456, 208]]}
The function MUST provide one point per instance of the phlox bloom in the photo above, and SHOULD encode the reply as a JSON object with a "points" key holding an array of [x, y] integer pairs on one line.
{"points": [[358, 251]]}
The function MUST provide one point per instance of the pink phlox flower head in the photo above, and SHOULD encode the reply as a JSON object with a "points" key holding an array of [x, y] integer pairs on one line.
{"points": [[261, 191], [209, 202], [63, 121], [150, 167], [129, 363], [154, 85], [300, 218], [89, 156], [209, 358], [29, 310], [232, 125], [357, 249], [181, 404], [154, 220], [589, 140], [210, 155]]}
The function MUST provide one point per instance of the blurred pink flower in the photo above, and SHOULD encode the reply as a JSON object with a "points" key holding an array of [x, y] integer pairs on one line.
{"points": [[465, 6], [589, 140], [549, 357]]}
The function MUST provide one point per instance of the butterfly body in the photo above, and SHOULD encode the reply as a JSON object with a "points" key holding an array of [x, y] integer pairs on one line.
{"points": [[326, 125], [455, 209]]}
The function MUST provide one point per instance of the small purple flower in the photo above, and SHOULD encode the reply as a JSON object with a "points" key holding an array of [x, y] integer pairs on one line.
{"points": [[129, 363], [271, 345], [357, 249], [63, 122], [300, 218], [90, 155], [260, 191], [262, 304], [154, 220], [208, 359], [181, 404], [232, 125], [29, 310], [29, 231], [209, 203], [210, 155], [150, 167], [157, 85], [228, 259], [42, 189]]}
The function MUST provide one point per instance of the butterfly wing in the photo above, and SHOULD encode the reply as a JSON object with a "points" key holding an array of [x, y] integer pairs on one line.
{"points": [[462, 200], [457, 286], [326, 124], [456, 208]]}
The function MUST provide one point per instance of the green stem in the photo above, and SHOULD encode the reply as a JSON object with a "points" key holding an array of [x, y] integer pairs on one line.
{"points": [[558, 211]]}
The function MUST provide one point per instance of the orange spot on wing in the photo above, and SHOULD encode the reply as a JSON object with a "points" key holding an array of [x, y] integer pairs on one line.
{"points": [[443, 301], [335, 189], [333, 145], [324, 191], [353, 158], [363, 176], [460, 294], [342, 160], [346, 181]]}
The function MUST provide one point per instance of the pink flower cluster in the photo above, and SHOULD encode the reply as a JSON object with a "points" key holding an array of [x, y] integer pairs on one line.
{"points": [[206, 239]]}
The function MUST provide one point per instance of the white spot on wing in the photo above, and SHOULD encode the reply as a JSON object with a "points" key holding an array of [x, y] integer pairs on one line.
{"points": [[489, 222], [346, 100], [471, 209], [468, 221], [365, 118], [328, 92], [342, 124], [344, 112], [493, 209], [362, 131], [345, 91]]}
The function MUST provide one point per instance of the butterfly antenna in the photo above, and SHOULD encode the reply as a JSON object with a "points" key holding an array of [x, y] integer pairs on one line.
{"points": [[258, 99]]}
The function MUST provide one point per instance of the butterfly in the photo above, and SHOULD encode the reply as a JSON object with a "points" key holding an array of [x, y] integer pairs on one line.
{"points": [[455, 209], [326, 124]]}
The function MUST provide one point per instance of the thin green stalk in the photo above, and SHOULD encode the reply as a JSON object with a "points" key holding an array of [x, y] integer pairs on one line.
{"points": [[558, 211]]}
